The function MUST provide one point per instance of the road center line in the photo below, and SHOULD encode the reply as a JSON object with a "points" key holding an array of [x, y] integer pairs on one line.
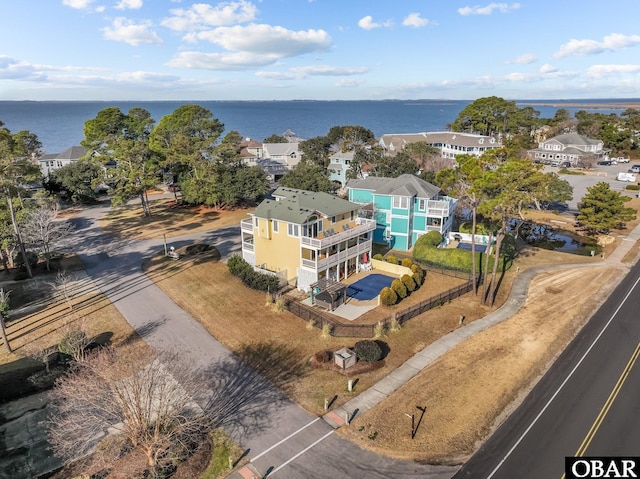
{"points": [[555, 394], [286, 438], [609, 402]]}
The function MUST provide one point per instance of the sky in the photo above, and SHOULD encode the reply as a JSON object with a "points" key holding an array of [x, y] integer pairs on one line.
{"points": [[318, 49]]}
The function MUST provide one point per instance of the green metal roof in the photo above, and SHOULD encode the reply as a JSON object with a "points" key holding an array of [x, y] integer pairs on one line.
{"points": [[296, 206]]}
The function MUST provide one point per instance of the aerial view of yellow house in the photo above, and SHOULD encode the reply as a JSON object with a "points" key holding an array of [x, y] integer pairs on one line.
{"points": [[304, 236]]}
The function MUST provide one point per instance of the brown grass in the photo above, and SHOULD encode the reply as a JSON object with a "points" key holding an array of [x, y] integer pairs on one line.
{"points": [[168, 219], [468, 390], [43, 327]]}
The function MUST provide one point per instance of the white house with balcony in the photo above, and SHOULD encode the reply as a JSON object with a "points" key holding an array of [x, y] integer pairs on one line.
{"points": [[570, 147], [305, 236], [448, 143]]}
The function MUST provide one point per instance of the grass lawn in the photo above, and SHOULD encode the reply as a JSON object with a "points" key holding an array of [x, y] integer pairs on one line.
{"points": [[280, 345], [168, 219]]}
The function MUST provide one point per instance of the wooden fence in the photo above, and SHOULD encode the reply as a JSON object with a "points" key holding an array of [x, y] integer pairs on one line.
{"points": [[340, 330]]}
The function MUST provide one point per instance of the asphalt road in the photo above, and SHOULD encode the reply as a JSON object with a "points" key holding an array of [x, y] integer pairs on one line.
{"points": [[586, 404], [281, 439]]}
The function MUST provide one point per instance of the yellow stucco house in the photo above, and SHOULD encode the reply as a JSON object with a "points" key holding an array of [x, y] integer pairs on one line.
{"points": [[304, 236]]}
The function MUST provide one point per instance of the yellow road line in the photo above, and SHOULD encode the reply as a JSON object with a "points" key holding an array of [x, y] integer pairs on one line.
{"points": [[607, 405]]}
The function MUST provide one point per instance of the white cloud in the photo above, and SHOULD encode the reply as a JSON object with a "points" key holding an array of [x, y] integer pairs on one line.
{"points": [[299, 73], [326, 70], [524, 59], [269, 40], [546, 68], [201, 15], [613, 42], [367, 23], [221, 61], [488, 9], [124, 30], [349, 83], [600, 71], [12, 69], [415, 20], [129, 4], [79, 4]]}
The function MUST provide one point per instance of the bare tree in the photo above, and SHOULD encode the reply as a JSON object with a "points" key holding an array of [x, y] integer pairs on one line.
{"points": [[45, 229], [63, 280], [74, 338], [134, 394], [4, 315]]}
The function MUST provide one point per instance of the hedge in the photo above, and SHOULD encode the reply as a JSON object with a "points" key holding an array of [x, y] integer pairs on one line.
{"points": [[368, 351], [251, 278], [399, 287], [388, 297], [409, 282]]}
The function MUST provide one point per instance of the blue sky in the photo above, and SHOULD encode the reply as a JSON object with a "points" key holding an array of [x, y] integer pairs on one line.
{"points": [[318, 49]]}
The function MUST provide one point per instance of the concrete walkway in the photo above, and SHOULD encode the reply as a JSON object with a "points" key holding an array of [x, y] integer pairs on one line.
{"points": [[400, 376]]}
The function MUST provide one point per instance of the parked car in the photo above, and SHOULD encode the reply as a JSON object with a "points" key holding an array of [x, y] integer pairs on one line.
{"points": [[605, 163], [555, 163], [634, 169], [622, 159], [565, 164]]}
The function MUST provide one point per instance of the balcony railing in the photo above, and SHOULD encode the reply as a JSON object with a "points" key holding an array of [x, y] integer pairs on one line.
{"points": [[337, 258], [247, 246], [362, 226], [247, 225]]}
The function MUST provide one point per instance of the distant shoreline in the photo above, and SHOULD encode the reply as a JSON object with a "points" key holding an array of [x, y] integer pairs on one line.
{"points": [[589, 106]]}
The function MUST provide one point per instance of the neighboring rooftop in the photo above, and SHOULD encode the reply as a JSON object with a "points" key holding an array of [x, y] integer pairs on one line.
{"points": [[404, 185]]}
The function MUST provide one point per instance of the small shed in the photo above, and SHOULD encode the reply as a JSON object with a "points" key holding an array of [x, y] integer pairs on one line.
{"points": [[328, 294], [345, 358]]}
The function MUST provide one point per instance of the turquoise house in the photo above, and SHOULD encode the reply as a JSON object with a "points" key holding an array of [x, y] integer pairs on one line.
{"points": [[404, 208]]}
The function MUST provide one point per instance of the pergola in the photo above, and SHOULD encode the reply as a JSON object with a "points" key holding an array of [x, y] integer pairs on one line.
{"points": [[328, 294]]}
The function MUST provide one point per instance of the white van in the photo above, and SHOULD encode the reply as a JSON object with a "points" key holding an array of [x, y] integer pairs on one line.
{"points": [[631, 177]]}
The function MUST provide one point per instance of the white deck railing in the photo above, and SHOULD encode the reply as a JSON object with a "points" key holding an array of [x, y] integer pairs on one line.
{"points": [[362, 226]]}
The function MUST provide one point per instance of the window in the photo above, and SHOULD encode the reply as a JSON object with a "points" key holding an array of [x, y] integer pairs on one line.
{"points": [[256, 222], [422, 204], [275, 226], [293, 230], [333, 220], [401, 202], [352, 215]]}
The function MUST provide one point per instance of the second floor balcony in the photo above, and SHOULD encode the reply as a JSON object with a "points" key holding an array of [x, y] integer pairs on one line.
{"points": [[331, 237]]}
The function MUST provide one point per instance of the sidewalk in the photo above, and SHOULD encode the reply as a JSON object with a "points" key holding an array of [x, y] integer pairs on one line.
{"points": [[385, 387]]}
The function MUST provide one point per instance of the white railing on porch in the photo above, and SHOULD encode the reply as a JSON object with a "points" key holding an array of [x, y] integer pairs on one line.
{"points": [[247, 225], [363, 225], [337, 258], [247, 246]]}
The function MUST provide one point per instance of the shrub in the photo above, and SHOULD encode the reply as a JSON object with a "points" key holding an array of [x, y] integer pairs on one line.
{"points": [[323, 356], [74, 343], [388, 297], [326, 331], [432, 238], [368, 351], [408, 282], [632, 187], [378, 329], [251, 278], [378, 257], [418, 271], [279, 305], [399, 288], [392, 259], [417, 279], [394, 325], [407, 263]]}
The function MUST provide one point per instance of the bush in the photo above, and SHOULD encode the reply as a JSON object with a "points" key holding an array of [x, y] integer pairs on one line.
{"points": [[251, 278], [323, 356], [418, 271], [632, 187], [417, 279], [392, 259], [378, 257], [408, 282], [407, 263], [368, 351], [432, 238], [388, 297], [399, 288]]}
